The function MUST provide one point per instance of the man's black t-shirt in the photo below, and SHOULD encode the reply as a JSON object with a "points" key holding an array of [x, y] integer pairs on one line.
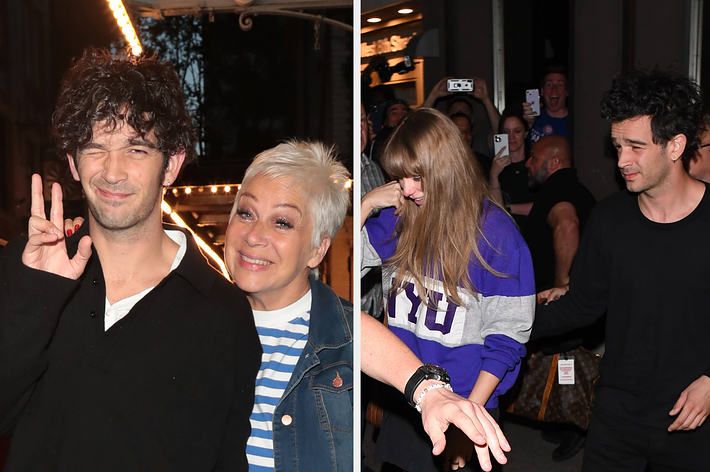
{"points": [[654, 280], [561, 186]]}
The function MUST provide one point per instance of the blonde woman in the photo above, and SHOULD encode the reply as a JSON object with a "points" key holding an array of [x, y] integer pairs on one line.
{"points": [[459, 278], [291, 204]]}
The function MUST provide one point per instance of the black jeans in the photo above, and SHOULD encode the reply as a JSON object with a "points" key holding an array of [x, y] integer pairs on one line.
{"points": [[616, 444]]}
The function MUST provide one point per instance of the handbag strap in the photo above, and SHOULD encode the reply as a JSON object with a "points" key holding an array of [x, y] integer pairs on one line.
{"points": [[548, 387]]}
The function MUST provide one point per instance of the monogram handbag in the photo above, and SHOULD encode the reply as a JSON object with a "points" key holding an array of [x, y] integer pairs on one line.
{"points": [[538, 395]]}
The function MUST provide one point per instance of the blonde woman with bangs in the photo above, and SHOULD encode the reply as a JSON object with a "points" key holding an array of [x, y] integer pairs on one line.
{"points": [[458, 277]]}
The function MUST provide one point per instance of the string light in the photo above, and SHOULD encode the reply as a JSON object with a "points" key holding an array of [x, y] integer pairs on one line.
{"points": [[203, 245], [229, 187], [124, 23]]}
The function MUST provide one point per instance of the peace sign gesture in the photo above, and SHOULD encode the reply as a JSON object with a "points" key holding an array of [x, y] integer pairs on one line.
{"points": [[46, 248]]}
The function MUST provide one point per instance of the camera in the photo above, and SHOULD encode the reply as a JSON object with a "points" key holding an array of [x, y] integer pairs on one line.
{"points": [[385, 71], [459, 85]]}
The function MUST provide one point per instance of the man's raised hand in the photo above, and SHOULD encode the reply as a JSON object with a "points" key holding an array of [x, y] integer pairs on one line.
{"points": [[440, 408], [46, 249]]}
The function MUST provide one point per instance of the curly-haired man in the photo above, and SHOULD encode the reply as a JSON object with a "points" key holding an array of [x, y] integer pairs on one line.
{"points": [[120, 348], [644, 259]]}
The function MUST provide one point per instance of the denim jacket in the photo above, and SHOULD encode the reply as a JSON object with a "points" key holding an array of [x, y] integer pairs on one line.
{"points": [[313, 421]]}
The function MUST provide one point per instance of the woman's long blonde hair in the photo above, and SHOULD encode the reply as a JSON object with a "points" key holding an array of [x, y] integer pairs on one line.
{"points": [[439, 239]]}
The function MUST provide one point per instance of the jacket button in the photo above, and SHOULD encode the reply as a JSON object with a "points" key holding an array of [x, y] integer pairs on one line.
{"points": [[286, 420], [95, 281], [93, 314]]}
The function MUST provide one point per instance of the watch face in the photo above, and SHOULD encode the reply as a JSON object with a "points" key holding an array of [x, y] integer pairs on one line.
{"points": [[436, 372], [424, 372]]}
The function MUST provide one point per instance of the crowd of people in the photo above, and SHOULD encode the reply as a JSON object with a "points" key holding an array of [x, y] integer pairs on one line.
{"points": [[467, 289], [121, 349]]}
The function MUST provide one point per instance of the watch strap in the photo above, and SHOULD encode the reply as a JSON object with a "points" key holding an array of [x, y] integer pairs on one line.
{"points": [[424, 372]]}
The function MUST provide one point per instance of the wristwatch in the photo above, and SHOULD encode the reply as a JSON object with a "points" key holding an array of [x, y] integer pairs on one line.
{"points": [[425, 372]]}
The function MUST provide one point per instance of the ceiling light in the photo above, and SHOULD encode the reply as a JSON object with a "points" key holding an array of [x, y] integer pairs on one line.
{"points": [[374, 20], [405, 11]]}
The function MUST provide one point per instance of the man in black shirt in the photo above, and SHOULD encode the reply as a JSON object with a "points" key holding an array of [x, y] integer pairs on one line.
{"points": [[120, 348], [644, 259], [562, 206], [552, 231]]}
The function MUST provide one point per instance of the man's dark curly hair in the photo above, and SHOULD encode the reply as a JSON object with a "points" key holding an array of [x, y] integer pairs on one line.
{"points": [[112, 88], [672, 101]]}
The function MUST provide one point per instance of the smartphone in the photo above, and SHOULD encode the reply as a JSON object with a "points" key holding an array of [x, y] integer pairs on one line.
{"points": [[500, 140], [532, 96], [459, 85]]}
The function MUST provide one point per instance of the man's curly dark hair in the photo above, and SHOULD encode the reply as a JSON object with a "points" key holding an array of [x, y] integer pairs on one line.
{"points": [[113, 88], [672, 101]]}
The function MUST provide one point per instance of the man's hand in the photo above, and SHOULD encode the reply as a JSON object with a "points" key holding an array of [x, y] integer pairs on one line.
{"points": [[552, 294], [440, 408], [373, 65], [480, 89], [693, 406], [46, 249], [439, 89], [437, 92], [528, 114]]}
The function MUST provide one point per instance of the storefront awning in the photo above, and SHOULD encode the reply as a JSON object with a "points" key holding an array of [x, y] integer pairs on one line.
{"points": [[245, 8]]}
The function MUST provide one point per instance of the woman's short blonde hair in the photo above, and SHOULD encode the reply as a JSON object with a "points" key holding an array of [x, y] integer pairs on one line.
{"points": [[315, 171]]}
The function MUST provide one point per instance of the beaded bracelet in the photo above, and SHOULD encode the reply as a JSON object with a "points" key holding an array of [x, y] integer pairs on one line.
{"points": [[447, 386]]}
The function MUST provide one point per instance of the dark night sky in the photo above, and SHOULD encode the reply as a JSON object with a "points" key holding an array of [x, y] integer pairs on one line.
{"points": [[75, 25]]}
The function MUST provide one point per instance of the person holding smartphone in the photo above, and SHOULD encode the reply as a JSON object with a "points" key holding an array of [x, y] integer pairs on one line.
{"points": [[508, 176], [553, 116]]}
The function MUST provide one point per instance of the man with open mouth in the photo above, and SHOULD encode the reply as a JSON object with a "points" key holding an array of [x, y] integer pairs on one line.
{"points": [[553, 115]]}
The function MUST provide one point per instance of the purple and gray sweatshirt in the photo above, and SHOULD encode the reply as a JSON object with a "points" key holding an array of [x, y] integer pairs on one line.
{"points": [[489, 331]]}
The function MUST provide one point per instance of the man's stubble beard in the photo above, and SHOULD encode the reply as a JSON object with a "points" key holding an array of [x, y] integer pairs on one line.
{"points": [[122, 222], [536, 180], [125, 222]]}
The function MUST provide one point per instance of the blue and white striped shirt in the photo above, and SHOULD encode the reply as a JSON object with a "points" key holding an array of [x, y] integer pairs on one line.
{"points": [[283, 334]]}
